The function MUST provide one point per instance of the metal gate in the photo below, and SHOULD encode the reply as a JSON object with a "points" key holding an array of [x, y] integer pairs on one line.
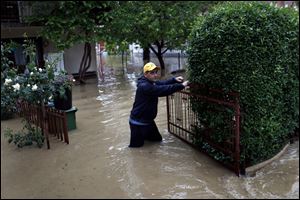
{"points": [[196, 129]]}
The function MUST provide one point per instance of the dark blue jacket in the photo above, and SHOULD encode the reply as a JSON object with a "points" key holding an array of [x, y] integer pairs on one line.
{"points": [[146, 98]]}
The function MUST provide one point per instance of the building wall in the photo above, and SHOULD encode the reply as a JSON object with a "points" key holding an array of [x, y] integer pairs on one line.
{"points": [[73, 56]]}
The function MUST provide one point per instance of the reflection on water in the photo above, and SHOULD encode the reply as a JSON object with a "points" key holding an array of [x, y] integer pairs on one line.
{"points": [[98, 163], [279, 180]]}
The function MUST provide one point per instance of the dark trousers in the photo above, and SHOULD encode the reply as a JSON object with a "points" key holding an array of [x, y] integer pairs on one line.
{"points": [[139, 133]]}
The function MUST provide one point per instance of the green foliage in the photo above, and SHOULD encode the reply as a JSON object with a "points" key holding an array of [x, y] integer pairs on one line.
{"points": [[118, 23], [251, 48], [35, 85], [8, 106], [157, 24], [23, 138], [72, 22], [69, 23]]}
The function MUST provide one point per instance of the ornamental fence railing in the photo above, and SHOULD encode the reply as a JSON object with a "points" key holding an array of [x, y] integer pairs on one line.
{"points": [[52, 122]]}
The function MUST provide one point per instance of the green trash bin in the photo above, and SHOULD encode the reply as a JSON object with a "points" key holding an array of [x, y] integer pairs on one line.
{"points": [[71, 118]]}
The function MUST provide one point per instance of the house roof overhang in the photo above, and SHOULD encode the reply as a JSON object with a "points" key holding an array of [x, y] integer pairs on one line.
{"points": [[18, 32]]}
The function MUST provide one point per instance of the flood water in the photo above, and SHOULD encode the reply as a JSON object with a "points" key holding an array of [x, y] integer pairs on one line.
{"points": [[98, 163]]}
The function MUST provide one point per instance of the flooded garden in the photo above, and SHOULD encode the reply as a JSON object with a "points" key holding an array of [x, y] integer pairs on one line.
{"points": [[98, 163]]}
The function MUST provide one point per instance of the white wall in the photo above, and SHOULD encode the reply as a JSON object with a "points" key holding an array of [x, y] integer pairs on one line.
{"points": [[73, 56]]}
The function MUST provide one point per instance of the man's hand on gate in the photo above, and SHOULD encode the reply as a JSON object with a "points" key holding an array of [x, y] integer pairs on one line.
{"points": [[179, 79], [185, 83]]}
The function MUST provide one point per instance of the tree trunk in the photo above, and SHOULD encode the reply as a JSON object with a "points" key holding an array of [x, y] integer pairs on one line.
{"points": [[159, 54], [161, 61], [88, 60], [146, 55], [85, 62], [122, 58]]}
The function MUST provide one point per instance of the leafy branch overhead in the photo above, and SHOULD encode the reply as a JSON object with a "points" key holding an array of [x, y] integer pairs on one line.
{"points": [[159, 25], [72, 22]]}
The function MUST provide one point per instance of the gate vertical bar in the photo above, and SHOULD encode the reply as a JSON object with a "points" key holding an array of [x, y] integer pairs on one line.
{"points": [[237, 138], [45, 124], [168, 113]]}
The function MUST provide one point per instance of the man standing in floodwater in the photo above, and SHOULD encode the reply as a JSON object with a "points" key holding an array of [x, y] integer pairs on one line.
{"points": [[144, 111]]}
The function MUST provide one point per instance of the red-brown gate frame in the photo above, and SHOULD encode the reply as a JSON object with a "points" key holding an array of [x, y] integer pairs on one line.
{"points": [[182, 120]]}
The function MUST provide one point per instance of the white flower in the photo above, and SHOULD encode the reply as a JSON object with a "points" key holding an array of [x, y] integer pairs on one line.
{"points": [[28, 85], [31, 73], [40, 69], [34, 87], [16, 87], [7, 81], [50, 97]]}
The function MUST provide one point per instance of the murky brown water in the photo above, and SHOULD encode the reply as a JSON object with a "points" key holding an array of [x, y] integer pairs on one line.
{"points": [[98, 164]]}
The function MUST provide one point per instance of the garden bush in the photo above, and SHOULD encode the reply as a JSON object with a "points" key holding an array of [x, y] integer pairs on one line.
{"points": [[8, 106], [28, 136], [251, 48], [36, 85]]}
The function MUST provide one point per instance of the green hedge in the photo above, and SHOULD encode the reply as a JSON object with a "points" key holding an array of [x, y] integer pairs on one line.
{"points": [[251, 48]]}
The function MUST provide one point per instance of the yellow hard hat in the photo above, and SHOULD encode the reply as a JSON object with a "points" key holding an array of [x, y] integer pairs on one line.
{"points": [[149, 67]]}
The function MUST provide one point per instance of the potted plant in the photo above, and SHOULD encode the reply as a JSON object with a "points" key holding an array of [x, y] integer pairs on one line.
{"points": [[63, 90]]}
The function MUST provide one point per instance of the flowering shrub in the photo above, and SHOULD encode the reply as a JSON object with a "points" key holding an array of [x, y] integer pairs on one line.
{"points": [[7, 93], [36, 86], [7, 100]]}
